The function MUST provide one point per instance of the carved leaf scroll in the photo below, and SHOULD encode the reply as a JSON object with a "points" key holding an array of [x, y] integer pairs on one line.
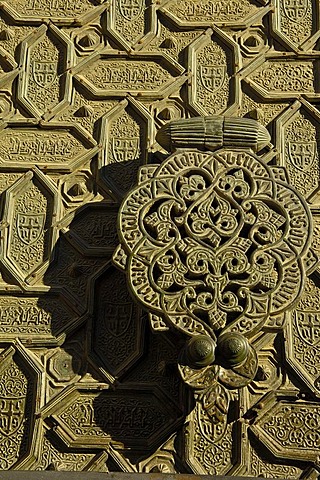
{"points": [[215, 241], [85, 88]]}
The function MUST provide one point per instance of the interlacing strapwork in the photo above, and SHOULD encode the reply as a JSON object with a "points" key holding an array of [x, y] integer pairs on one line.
{"points": [[214, 106]]}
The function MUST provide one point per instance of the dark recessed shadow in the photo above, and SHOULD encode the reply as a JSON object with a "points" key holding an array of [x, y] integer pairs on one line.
{"points": [[146, 401]]}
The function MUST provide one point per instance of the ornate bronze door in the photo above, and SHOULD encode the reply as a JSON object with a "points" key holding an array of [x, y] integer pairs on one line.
{"points": [[159, 288]]}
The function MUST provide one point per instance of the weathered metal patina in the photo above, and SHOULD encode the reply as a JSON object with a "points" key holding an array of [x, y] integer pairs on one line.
{"points": [[91, 91], [215, 246]]}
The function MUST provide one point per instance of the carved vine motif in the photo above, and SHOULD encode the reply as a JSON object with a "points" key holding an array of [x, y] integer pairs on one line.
{"points": [[85, 85], [215, 241], [216, 245]]}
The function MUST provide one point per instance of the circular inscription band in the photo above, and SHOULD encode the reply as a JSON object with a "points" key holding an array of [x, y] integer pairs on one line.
{"points": [[214, 242]]}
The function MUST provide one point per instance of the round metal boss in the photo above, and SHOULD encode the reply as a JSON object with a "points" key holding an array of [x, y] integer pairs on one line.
{"points": [[200, 351], [233, 347]]}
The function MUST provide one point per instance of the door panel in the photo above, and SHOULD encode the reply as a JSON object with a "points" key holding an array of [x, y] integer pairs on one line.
{"points": [[90, 379]]}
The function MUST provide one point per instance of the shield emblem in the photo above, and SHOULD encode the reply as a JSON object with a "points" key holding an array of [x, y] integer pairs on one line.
{"points": [[302, 154], [117, 317], [125, 149], [11, 415], [30, 227], [213, 77], [308, 326], [130, 9], [44, 73], [295, 10]]}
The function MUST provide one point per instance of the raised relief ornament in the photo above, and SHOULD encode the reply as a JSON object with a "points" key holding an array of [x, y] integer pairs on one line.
{"points": [[213, 76], [295, 10], [130, 9], [214, 241], [215, 244]]}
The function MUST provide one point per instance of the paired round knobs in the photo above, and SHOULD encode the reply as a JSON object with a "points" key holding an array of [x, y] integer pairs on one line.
{"points": [[232, 347]]}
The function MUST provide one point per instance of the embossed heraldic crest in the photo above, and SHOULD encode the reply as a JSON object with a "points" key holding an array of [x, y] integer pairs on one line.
{"points": [[215, 244]]}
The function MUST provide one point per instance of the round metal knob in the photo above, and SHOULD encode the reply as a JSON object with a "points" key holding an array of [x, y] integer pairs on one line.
{"points": [[200, 351], [233, 347]]}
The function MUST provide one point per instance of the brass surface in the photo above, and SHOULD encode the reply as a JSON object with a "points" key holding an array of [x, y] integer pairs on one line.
{"points": [[93, 378]]}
